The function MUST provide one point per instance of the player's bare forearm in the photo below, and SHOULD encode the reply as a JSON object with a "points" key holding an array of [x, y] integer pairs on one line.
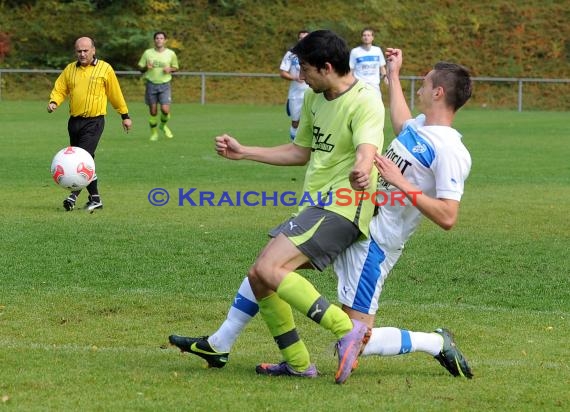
{"points": [[360, 175], [285, 155], [443, 212], [399, 110], [286, 75]]}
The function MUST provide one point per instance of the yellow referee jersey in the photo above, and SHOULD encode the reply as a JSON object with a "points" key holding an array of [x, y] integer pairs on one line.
{"points": [[88, 89]]}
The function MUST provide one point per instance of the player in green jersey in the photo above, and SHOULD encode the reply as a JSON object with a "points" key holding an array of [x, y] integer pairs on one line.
{"points": [[340, 131], [158, 64]]}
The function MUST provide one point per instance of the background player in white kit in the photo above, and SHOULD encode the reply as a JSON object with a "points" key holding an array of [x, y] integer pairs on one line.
{"points": [[427, 156], [367, 61], [289, 70]]}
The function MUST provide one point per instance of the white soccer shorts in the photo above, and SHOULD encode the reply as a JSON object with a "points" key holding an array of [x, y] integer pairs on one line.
{"points": [[361, 270], [294, 108]]}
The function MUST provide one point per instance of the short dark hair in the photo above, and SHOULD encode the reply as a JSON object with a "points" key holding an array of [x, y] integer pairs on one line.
{"points": [[455, 81], [324, 46], [159, 32]]}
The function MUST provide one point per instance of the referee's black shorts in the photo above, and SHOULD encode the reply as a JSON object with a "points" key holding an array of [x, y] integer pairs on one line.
{"points": [[85, 132]]}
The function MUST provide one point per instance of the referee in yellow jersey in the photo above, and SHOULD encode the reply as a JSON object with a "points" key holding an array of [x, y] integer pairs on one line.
{"points": [[88, 82]]}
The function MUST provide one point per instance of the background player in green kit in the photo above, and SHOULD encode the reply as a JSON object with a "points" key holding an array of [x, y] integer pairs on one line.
{"points": [[158, 64]]}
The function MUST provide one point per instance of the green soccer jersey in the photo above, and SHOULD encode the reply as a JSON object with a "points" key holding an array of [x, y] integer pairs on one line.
{"points": [[159, 60], [333, 130]]}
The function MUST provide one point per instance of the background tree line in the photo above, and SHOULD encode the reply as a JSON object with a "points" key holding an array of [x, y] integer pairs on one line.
{"points": [[496, 38]]}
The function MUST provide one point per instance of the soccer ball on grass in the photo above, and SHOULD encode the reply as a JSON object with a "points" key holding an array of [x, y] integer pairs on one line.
{"points": [[73, 168]]}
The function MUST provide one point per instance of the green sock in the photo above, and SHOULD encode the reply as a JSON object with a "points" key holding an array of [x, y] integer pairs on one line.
{"points": [[164, 118], [302, 295], [278, 316], [152, 122]]}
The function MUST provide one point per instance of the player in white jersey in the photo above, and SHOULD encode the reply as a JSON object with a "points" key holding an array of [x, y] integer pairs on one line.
{"points": [[367, 61], [436, 162], [425, 167], [289, 70], [423, 173]]}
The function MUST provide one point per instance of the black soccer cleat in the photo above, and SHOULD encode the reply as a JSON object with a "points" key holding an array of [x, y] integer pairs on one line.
{"points": [[200, 347], [451, 358]]}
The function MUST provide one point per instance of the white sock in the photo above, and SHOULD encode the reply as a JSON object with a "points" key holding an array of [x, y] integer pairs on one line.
{"points": [[242, 311], [393, 341], [292, 132]]}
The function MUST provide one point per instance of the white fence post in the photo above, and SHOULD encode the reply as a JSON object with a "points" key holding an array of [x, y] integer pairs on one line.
{"points": [[520, 95]]}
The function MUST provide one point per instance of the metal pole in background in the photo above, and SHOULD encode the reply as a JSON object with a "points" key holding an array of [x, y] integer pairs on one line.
{"points": [[412, 94], [520, 95], [203, 88]]}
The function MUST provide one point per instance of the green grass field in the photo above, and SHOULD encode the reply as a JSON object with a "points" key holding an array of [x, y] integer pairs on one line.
{"points": [[87, 301]]}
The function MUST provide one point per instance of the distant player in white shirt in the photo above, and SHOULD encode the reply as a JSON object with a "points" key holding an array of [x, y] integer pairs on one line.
{"points": [[425, 166], [367, 61], [289, 70]]}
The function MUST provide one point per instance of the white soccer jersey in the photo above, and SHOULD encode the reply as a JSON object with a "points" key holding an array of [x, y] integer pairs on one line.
{"points": [[366, 64], [290, 63], [435, 160]]}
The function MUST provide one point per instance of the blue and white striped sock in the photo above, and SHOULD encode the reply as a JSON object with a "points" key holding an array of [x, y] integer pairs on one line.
{"points": [[242, 311], [389, 341]]}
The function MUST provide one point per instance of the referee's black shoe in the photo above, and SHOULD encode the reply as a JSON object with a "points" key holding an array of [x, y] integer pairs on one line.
{"points": [[93, 203], [69, 203]]}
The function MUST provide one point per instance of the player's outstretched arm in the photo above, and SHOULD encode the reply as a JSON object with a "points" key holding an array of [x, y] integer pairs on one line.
{"points": [[285, 155], [399, 110], [228, 147]]}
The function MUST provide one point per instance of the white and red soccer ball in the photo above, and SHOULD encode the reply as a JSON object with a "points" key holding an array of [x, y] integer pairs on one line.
{"points": [[73, 168]]}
